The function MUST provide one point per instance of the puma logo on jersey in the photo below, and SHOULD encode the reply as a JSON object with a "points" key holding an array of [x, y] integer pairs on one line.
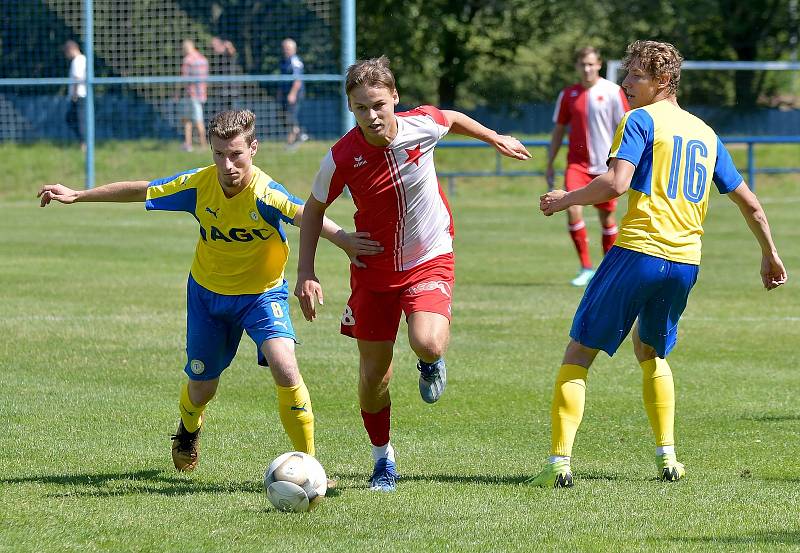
{"points": [[213, 211], [359, 161]]}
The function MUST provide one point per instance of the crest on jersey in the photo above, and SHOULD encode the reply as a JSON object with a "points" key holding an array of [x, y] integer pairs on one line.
{"points": [[197, 366], [254, 216], [359, 161]]}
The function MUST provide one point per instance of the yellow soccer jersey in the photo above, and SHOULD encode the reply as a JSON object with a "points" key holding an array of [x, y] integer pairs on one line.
{"points": [[675, 155], [242, 247]]}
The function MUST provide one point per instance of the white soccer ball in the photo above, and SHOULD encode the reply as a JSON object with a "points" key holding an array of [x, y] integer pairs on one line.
{"points": [[295, 482]]}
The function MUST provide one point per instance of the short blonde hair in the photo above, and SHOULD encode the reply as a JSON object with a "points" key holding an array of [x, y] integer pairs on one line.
{"points": [[373, 72], [585, 51], [657, 59], [232, 123]]}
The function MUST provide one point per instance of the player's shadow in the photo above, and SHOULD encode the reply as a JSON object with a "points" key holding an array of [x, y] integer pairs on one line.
{"points": [[489, 480], [761, 538], [149, 481], [463, 479], [782, 479], [527, 284], [777, 417]]}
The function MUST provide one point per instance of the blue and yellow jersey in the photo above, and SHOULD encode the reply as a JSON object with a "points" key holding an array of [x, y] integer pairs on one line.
{"points": [[675, 155], [242, 247]]}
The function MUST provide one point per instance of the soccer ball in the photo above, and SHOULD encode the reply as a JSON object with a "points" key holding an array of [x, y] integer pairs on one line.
{"points": [[295, 482]]}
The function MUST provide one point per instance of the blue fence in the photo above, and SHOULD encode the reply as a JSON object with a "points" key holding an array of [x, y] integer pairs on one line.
{"points": [[128, 117], [500, 171]]}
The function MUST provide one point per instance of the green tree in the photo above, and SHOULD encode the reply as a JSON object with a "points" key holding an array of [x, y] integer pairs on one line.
{"points": [[509, 52]]}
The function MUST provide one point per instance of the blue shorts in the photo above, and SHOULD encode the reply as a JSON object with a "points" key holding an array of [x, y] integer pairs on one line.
{"points": [[214, 325], [628, 285]]}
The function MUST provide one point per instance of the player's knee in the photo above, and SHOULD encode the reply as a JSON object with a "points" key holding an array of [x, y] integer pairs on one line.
{"points": [[429, 348], [431, 344], [606, 217], [642, 351], [286, 372], [374, 380], [202, 391]]}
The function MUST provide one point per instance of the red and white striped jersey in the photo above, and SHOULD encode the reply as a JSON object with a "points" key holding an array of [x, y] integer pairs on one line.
{"points": [[592, 115], [395, 190]]}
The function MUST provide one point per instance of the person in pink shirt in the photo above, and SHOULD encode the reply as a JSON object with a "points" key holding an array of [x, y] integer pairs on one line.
{"points": [[194, 65], [386, 161], [592, 109]]}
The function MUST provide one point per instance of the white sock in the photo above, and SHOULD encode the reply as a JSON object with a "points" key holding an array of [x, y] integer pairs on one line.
{"points": [[381, 451], [556, 458], [662, 449]]}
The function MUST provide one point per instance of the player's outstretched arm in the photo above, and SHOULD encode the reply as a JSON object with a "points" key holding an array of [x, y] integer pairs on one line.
{"points": [[124, 191], [506, 145], [773, 273], [611, 184], [308, 289]]}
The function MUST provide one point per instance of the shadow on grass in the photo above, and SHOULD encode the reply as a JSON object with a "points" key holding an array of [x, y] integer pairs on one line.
{"points": [[782, 479], [490, 480], [773, 418], [775, 537], [153, 482], [509, 284]]}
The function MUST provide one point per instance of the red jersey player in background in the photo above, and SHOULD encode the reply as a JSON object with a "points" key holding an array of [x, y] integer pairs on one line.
{"points": [[591, 109], [386, 162]]}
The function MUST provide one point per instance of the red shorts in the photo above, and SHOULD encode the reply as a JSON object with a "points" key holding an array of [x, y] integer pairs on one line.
{"points": [[378, 297], [576, 177]]}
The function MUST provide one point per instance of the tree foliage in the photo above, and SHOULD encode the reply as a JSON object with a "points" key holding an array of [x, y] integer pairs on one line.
{"points": [[507, 52], [501, 53]]}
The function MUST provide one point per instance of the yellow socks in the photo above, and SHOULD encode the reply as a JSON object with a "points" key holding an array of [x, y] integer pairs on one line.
{"points": [[569, 397], [191, 415], [294, 406], [658, 392]]}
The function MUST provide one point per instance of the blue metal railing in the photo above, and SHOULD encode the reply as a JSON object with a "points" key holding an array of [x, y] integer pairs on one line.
{"points": [[498, 170], [348, 42]]}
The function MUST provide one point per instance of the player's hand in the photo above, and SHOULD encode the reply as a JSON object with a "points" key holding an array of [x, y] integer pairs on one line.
{"points": [[552, 202], [355, 244], [57, 192], [359, 243], [773, 273], [550, 177], [511, 147], [308, 290]]}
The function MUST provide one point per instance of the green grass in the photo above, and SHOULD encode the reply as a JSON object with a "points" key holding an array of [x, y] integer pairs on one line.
{"points": [[91, 351]]}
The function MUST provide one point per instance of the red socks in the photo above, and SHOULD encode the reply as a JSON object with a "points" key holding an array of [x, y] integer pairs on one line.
{"points": [[609, 236], [581, 240], [377, 425]]}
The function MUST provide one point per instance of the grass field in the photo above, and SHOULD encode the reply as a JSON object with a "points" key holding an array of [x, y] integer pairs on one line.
{"points": [[91, 352]]}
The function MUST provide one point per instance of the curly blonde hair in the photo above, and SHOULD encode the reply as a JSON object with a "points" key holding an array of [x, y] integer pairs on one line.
{"points": [[657, 59]]}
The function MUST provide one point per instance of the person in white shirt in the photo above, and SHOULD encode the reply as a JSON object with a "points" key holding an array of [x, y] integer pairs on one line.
{"points": [[77, 91]]}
